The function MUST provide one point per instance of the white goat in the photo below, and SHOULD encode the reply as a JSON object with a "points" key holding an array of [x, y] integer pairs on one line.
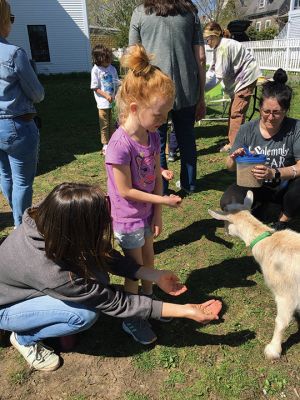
{"points": [[278, 254]]}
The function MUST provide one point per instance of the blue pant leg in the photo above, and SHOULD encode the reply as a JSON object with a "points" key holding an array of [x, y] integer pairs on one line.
{"points": [[184, 121], [43, 317], [23, 155], [7, 136], [173, 145], [163, 130]]}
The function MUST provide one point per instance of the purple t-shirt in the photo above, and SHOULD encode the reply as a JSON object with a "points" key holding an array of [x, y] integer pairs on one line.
{"points": [[130, 215]]}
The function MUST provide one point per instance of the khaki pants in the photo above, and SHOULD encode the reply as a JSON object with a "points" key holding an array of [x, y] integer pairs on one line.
{"points": [[106, 124], [238, 109]]}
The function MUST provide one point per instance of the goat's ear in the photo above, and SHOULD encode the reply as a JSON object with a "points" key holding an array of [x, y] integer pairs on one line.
{"points": [[248, 200], [220, 215]]}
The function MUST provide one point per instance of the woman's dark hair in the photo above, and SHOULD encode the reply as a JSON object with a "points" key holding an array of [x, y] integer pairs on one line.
{"points": [[101, 55], [75, 221], [278, 90], [164, 8]]}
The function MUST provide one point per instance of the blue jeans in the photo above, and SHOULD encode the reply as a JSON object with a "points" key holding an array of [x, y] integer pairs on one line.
{"points": [[44, 317], [183, 121], [19, 142]]}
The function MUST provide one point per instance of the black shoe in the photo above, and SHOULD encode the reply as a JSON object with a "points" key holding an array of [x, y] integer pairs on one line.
{"points": [[279, 225]]}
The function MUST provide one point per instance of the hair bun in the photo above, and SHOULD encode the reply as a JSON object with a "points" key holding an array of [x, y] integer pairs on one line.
{"points": [[136, 59], [280, 76]]}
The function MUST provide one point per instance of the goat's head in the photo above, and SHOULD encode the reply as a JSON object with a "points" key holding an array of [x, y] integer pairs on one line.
{"points": [[231, 210]]}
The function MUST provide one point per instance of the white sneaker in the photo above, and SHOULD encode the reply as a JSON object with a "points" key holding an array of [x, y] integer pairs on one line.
{"points": [[38, 355], [178, 185]]}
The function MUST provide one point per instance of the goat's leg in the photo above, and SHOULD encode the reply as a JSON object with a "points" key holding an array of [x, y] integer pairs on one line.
{"points": [[285, 310]]}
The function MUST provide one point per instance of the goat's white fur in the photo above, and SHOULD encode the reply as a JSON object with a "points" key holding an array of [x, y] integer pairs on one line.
{"points": [[279, 258]]}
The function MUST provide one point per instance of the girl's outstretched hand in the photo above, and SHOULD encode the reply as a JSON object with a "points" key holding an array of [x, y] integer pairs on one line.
{"points": [[169, 283], [205, 312]]}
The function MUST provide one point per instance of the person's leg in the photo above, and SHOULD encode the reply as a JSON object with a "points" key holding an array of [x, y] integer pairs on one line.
{"points": [[23, 156], [235, 194], [238, 110], [6, 182], [8, 135], [173, 146], [290, 201], [43, 317], [104, 126], [163, 133], [132, 245], [148, 259], [111, 123], [184, 121]]}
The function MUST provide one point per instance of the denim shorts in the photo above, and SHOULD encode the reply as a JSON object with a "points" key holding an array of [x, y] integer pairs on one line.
{"points": [[133, 240]]}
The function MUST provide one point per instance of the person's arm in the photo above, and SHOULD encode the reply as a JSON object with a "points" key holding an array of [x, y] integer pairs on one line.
{"points": [[157, 215], [122, 176], [104, 94], [265, 172], [230, 161], [199, 52], [28, 79]]}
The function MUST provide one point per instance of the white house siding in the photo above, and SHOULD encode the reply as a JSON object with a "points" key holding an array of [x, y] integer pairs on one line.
{"points": [[293, 30], [67, 31]]}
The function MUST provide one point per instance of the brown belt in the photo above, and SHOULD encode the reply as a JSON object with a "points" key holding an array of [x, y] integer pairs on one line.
{"points": [[27, 117]]}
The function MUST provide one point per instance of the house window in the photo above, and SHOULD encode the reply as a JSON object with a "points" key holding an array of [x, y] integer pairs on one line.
{"points": [[267, 23], [297, 4], [38, 43], [261, 3], [258, 26]]}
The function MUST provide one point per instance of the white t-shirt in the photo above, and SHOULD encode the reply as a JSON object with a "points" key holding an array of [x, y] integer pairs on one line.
{"points": [[106, 79], [235, 65]]}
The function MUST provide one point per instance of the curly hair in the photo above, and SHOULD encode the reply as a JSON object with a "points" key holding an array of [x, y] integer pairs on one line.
{"points": [[101, 55]]}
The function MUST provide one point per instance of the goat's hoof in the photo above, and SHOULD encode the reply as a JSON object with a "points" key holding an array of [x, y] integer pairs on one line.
{"points": [[271, 353]]}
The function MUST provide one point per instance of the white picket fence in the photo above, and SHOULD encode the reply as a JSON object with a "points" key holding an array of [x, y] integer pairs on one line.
{"points": [[272, 54]]}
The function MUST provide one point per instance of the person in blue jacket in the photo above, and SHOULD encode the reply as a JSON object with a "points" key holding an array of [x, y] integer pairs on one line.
{"points": [[19, 135]]}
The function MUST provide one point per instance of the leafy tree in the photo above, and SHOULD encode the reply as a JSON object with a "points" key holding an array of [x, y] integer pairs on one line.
{"points": [[265, 34], [211, 9], [113, 14]]}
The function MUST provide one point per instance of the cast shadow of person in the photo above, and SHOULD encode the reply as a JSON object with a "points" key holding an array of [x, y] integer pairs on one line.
{"points": [[218, 180], [6, 219], [106, 337], [190, 234], [207, 131]]}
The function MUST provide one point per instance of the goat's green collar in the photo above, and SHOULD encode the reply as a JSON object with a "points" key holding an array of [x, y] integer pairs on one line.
{"points": [[259, 238]]}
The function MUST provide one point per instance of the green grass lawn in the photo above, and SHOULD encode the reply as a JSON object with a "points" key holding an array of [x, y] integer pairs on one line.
{"points": [[220, 361]]}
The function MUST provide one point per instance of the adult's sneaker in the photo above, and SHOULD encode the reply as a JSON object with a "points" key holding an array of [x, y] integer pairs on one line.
{"points": [[38, 356], [140, 330]]}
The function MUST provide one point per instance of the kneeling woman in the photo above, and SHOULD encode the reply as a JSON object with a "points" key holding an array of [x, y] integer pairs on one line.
{"points": [[54, 275], [278, 137]]}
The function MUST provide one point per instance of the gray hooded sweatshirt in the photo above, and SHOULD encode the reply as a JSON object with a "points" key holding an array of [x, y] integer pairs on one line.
{"points": [[26, 273]]}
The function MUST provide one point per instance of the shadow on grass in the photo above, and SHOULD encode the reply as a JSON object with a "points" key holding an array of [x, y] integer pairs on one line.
{"points": [[69, 121], [6, 220], [106, 337], [210, 129], [218, 180], [191, 233]]}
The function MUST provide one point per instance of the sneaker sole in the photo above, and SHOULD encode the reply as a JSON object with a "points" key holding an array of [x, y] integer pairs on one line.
{"points": [[50, 368], [125, 329]]}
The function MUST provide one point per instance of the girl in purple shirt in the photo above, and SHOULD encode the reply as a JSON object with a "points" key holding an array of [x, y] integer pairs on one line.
{"points": [[133, 168]]}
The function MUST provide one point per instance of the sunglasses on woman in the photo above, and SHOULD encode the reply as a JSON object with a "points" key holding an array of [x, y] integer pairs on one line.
{"points": [[12, 18]]}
